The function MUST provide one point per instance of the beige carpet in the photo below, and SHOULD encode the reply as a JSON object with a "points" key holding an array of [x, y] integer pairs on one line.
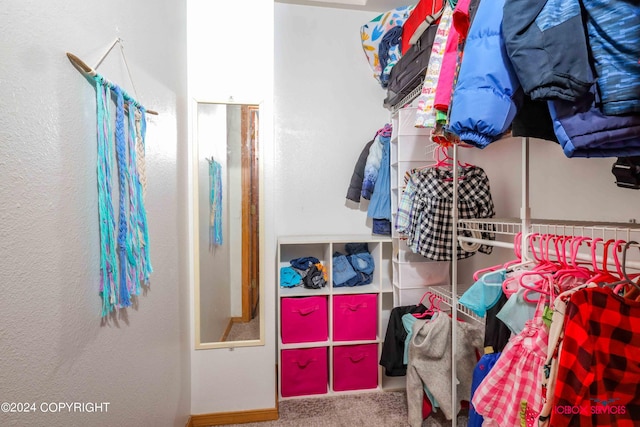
{"points": [[246, 331], [378, 409]]}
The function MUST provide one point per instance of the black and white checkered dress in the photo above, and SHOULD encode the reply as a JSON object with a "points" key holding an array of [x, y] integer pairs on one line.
{"points": [[430, 232]]}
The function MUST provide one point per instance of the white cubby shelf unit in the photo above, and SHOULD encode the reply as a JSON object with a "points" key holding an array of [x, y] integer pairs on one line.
{"points": [[357, 340]]}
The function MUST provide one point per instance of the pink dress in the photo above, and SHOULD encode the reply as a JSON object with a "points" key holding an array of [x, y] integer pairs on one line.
{"points": [[516, 377]]}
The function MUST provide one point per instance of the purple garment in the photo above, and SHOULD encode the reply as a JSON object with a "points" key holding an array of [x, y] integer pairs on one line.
{"points": [[584, 131]]}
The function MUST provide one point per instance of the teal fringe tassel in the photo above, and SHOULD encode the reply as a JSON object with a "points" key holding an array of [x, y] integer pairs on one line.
{"points": [[125, 263], [215, 203]]}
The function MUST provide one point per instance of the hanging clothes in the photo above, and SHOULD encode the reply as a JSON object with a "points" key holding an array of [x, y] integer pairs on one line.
{"points": [[430, 363], [598, 367], [584, 131], [355, 185], [405, 207], [550, 371], [549, 34], [393, 347], [452, 56], [515, 378], [483, 104], [613, 29], [430, 232], [426, 115], [380, 204], [480, 372], [373, 162]]}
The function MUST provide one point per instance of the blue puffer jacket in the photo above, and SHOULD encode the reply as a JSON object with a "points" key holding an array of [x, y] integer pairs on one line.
{"points": [[483, 105], [380, 204]]}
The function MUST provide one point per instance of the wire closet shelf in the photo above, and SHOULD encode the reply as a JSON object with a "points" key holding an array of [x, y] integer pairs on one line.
{"points": [[603, 233]]}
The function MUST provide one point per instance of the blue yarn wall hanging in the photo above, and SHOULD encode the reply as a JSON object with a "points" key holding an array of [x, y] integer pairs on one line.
{"points": [[125, 263], [215, 203]]}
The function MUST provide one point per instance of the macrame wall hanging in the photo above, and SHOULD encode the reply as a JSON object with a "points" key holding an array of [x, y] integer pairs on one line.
{"points": [[125, 263], [215, 203]]}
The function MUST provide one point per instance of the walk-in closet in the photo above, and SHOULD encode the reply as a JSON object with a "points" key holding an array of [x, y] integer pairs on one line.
{"points": [[537, 208], [266, 213]]}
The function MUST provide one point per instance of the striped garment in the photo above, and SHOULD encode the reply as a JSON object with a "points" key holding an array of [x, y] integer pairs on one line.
{"points": [[403, 217], [613, 28]]}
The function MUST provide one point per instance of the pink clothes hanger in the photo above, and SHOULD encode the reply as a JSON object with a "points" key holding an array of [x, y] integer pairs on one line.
{"points": [[511, 284], [517, 249], [543, 270], [572, 267], [434, 305]]}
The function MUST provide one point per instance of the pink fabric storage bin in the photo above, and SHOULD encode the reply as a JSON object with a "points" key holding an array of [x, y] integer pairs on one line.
{"points": [[355, 317], [355, 367], [304, 371], [304, 319]]}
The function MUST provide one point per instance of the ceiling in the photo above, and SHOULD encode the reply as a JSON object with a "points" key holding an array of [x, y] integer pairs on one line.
{"points": [[372, 5]]}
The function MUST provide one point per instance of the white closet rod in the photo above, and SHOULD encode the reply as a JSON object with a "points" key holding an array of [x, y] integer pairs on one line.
{"points": [[525, 209], [494, 243]]}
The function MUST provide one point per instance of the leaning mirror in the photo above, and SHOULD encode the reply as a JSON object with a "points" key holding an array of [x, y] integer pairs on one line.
{"points": [[227, 239]]}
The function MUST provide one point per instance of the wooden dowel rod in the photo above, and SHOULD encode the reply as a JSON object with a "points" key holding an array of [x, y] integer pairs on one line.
{"points": [[91, 72]]}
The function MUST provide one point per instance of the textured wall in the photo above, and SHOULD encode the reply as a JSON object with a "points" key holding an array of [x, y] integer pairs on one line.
{"points": [[54, 346], [328, 106]]}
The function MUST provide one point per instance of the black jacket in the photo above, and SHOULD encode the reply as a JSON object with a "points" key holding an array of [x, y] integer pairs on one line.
{"points": [[355, 186]]}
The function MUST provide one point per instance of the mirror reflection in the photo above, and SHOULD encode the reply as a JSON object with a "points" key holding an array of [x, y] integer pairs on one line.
{"points": [[227, 225]]}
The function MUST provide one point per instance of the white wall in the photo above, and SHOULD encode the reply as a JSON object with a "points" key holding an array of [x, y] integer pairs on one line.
{"points": [[328, 106], [231, 54], [54, 346]]}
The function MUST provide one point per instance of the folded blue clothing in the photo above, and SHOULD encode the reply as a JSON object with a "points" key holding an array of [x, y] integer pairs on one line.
{"points": [[362, 262], [363, 278], [304, 262], [356, 248], [343, 272], [289, 277], [381, 226]]}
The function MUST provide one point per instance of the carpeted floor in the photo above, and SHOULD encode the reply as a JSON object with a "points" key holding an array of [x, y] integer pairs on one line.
{"points": [[246, 331], [377, 409]]}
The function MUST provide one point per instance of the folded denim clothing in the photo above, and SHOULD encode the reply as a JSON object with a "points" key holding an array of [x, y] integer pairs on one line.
{"points": [[363, 278], [343, 272], [304, 263], [381, 226], [356, 248], [362, 262]]}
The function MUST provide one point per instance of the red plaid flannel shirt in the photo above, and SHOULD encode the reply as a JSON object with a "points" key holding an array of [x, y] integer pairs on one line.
{"points": [[599, 367]]}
